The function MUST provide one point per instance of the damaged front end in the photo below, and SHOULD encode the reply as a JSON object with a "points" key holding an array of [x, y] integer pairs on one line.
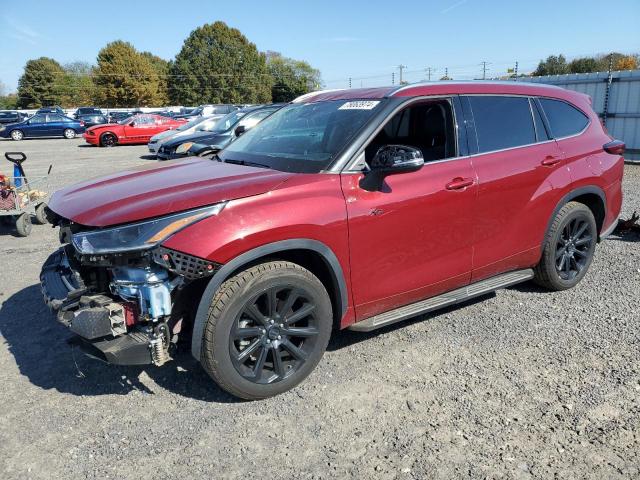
{"points": [[126, 306]]}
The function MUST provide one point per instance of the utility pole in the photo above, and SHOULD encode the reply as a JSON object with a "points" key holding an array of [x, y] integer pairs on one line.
{"points": [[393, 78], [515, 70], [429, 70], [446, 73], [607, 92], [401, 68], [484, 69], [349, 82]]}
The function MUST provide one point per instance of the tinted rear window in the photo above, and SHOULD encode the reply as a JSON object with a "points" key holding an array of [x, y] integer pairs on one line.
{"points": [[564, 119], [502, 122]]}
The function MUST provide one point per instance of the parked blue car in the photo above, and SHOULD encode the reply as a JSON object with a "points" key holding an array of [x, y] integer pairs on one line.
{"points": [[43, 125]]}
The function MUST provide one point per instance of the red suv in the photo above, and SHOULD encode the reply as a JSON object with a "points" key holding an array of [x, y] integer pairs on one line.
{"points": [[344, 209]]}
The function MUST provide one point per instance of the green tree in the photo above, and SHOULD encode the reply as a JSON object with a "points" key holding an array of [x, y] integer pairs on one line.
{"points": [[125, 78], [291, 78], [619, 61], [7, 101], [38, 85], [553, 65], [161, 67], [583, 65], [218, 64], [76, 87]]}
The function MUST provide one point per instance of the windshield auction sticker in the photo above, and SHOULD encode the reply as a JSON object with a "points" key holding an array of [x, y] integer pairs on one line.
{"points": [[360, 105]]}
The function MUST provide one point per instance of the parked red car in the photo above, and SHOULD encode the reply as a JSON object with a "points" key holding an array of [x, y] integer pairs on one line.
{"points": [[345, 209], [137, 129]]}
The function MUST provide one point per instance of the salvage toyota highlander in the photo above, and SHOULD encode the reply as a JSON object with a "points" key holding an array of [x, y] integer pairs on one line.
{"points": [[344, 209]]}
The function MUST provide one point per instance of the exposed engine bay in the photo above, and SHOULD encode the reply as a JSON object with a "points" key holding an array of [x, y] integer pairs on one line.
{"points": [[127, 308]]}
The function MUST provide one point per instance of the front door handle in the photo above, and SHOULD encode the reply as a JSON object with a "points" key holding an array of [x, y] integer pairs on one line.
{"points": [[459, 183], [550, 161]]}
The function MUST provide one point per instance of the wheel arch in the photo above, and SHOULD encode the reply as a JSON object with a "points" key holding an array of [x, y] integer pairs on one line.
{"points": [[313, 255], [591, 196]]}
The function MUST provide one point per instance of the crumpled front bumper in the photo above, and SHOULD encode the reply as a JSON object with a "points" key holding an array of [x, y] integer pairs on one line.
{"points": [[98, 320]]}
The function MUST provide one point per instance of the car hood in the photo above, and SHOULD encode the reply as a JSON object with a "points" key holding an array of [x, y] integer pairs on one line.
{"points": [[163, 135], [156, 190], [104, 126]]}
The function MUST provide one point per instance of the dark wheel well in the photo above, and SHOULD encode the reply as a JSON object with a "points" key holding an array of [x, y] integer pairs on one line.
{"points": [[316, 264], [595, 204]]}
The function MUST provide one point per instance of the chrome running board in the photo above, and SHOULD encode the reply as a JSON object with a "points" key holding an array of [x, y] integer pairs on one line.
{"points": [[443, 300]]}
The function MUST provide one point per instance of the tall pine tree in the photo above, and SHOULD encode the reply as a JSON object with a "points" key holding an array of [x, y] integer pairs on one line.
{"points": [[217, 64]]}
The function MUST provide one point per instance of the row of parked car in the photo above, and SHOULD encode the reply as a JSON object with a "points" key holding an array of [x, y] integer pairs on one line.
{"points": [[53, 121], [170, 138]]}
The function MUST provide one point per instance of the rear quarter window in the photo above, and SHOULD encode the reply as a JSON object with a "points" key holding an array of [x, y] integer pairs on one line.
{"points": [[564, 119], [502, 122]]}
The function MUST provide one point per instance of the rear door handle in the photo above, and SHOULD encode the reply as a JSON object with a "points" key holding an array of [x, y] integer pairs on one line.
{"points": [[459, 183], [550, 161]]}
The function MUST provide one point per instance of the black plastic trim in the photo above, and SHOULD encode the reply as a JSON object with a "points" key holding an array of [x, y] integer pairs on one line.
{"points": [[461, 127], [282, 246]]}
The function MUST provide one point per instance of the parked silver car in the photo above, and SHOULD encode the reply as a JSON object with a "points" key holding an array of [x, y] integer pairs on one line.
{"points": [[195, 125]]}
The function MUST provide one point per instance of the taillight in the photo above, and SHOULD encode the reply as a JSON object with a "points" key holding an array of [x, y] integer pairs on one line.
{"points": [[615, 147]]}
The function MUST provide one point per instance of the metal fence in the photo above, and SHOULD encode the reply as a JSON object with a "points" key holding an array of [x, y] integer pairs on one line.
{"points": [[616, 98]]}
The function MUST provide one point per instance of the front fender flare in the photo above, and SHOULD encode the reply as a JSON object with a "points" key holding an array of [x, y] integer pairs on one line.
{"points": [[247, 257]]}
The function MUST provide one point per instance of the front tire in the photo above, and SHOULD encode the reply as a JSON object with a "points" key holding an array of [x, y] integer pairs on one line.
{"points": [[23, 225], [108, 140], [568, 249], [17, 135], [69, 133], [267, 329]]}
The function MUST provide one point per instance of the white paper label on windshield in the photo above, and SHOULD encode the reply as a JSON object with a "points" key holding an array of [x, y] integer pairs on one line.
{"points": [[360, 105]]}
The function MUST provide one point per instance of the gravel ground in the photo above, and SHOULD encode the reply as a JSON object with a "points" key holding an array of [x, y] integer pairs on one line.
{"points": [[520, 384]]}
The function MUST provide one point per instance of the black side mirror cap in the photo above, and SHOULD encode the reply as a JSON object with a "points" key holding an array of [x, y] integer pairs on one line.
{"points": [[240, 129], [391, 160]]}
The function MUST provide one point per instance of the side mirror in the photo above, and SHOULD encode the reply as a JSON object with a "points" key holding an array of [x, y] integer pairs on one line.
{"points": [[391, 160], [132, 124], [240, 129]]}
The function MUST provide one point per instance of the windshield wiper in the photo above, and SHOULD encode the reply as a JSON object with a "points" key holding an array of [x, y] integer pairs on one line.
{"points": [[246, 163]]}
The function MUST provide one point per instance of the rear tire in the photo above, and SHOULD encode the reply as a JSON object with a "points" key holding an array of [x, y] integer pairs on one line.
{"points": [[17, 135], [23, 225], [108, 140], [568, 249], [267, 329], [41, 218], [69, 133]]}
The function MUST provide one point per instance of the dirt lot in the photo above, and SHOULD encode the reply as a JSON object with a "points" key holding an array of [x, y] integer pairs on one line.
{"points": [[521, 384]]}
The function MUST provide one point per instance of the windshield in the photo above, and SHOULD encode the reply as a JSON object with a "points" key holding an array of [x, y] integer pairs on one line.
{"points": [[206, 124], [188, 125], [302, 138], [225, 123], [127, 120]]}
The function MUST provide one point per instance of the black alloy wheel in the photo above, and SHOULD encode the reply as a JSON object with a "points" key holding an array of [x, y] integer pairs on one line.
{"points": [[274, 334], [267, 328], [573, 248], [108, 140], [568, 248]]}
